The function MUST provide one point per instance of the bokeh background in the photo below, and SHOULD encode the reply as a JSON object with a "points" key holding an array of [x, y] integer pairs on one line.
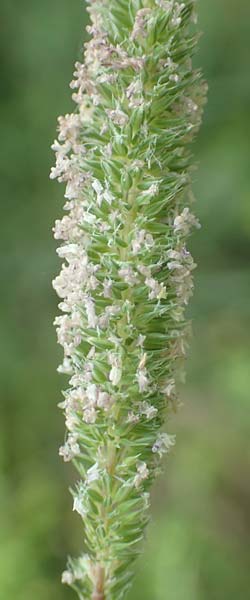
{"points": [[196, 547]]}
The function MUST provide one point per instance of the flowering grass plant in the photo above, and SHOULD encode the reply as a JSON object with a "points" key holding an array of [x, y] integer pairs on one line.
{"points": [[124, 155]]}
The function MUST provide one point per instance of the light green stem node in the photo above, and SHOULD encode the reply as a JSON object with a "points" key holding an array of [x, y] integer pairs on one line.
{"points": [[124, 155]]}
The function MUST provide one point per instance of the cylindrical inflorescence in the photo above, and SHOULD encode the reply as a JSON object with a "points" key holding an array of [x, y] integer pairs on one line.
{"points": [[126, 279]]}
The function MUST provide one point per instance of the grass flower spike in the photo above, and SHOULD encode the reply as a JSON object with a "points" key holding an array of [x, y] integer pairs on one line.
{"points": [[124, 155]]}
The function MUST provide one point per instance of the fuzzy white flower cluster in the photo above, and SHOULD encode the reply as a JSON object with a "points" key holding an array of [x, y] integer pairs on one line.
{"points": [[126, 276]]}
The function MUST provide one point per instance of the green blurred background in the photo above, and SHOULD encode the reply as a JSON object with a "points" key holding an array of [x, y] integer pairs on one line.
{"points": [[196, 547]]}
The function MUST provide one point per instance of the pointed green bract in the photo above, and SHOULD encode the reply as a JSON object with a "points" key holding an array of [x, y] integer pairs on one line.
{"points": [[126, 279]]}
